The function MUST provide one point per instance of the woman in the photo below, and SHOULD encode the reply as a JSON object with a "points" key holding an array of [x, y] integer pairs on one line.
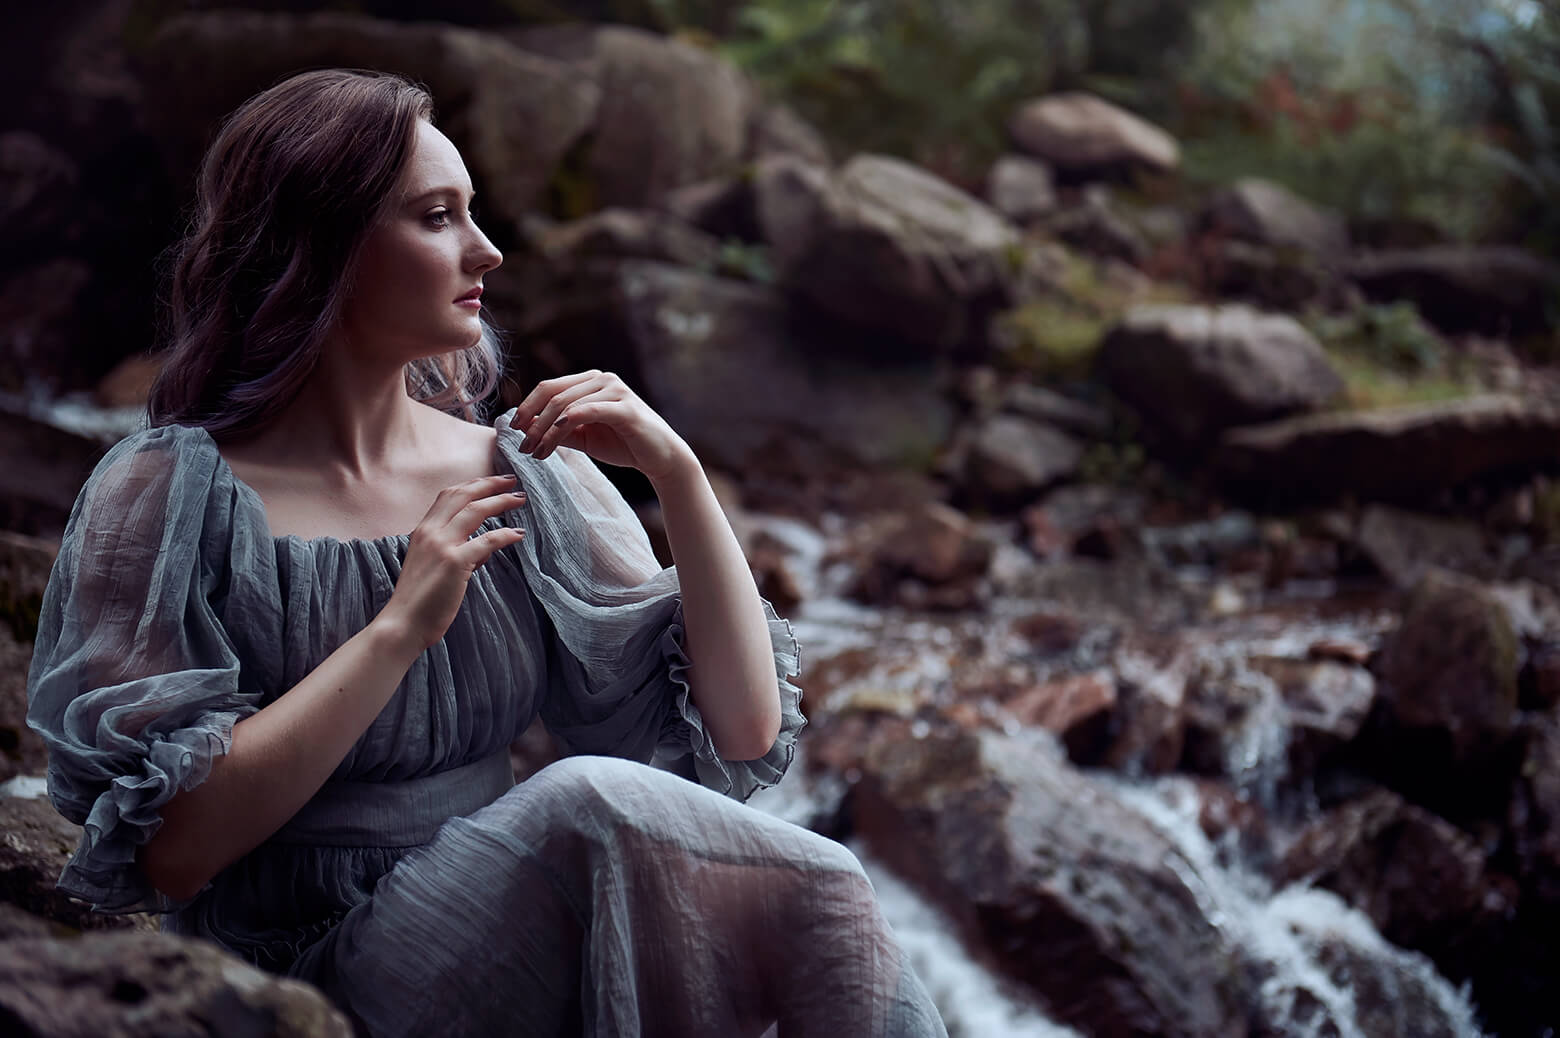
{"points": [[295, 624]]}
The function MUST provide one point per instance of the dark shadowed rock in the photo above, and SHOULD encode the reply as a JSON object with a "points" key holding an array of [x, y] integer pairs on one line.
{"points": [[514, 115], [1094, 228], [40, 322], [1402, 454], [44, 470], [1450, 669], [1272, 278], [149, 985], [37, 193], [1325, 704], [1048, 406], [933, 547], [1083, 135], [36, 844], [887, 246], [1420, 879], [1407, 545], [1265, 213], [777, 129], [1077, 708], [1499, 291], [1194, 371], [1073, 893], [1020, 189], [629, 234]]}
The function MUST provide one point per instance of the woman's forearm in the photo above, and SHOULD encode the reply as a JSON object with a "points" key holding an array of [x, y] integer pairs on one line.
{"points": [[725, 630], [278, 759]]}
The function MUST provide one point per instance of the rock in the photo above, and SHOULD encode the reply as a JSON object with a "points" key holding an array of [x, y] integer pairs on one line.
{"points": [[1083, 135], [1265, 277], [1325, 705], [1406, 546], [36, 844], [629, 234], [1266, 213], [933, 545], [1495, 290], [1339, 650], [1450, 669], [130, 382], [1052, 408], [1012, 459], [46, 467], [1229, 717], [1540, 677], [1402, 454], [1194, 371], [1068, 890], [889, 247], [1077, 709], [514, 115], [1020, 189], [1093, 228], [1419, 879], [776, 129], [727, 364], [148, 985], [722, 207], [1149, 733]]}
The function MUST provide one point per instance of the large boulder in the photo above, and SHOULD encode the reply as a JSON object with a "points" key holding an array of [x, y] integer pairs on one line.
{"points": [[730, 368], [1011, 459], [887, 246], [1404, 454], [1194, 371], [1071, 892], [44, 471], [24, 573], [151, 985], [1020, 188], [1082, 135], [1495, 290], [1264, 213], [514, 115], [1406, 546], [37, 844]]}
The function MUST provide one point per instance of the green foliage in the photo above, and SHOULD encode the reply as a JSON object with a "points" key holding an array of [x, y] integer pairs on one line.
{"points": [[1387, 355]]}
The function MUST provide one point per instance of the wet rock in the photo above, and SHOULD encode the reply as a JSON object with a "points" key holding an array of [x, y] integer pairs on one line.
{"points": [[1229, 714], [1068, 890], [1194, 371], [1093, 519], [1012, 458], [1020, 189], [514, 115], [1149, 733], [885, 245], [1084, 135], [1076, 708], [1406, 546], [1326, 704], [1266, 213], [1494, 290], [786, 393], [933, 546], [1420, 879], [35, 845], [1449, 672], [1400, 454], [44, 471], [148, 985]]}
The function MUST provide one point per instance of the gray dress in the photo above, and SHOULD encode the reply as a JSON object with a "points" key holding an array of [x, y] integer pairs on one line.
{"points": [[421, 888]]}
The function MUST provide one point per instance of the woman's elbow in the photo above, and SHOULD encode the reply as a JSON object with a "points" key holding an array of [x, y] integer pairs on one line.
{"points": [[169, 870], [757, 736]]}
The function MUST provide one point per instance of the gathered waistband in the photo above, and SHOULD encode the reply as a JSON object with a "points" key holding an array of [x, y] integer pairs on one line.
{"points": [[404, 813]]}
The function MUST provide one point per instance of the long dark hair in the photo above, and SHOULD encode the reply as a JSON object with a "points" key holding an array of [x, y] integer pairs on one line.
{"points": [[287, 192]]}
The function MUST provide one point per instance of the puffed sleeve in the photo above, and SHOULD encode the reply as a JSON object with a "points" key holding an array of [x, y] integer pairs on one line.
{"points": [[134, 683], [617, 670]]}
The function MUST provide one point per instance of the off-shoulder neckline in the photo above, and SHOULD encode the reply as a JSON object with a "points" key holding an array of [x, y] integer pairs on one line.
{"points": [[384, 540]]}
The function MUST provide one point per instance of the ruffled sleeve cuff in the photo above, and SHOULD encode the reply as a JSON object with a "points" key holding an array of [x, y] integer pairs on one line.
{"points": [[128, 813], [685, 736]]}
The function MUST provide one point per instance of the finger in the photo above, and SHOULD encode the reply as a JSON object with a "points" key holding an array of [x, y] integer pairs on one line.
{"points": [[477, 512], [543, 425], [527, 410], [617, 414], [452, 499], [478, 550]]}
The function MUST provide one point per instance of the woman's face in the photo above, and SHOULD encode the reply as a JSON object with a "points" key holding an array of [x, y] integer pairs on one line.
{"points": [[419, 265]]}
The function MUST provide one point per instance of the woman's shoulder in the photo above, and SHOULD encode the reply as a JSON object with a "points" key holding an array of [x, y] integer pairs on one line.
{"points": [[150, 462]]}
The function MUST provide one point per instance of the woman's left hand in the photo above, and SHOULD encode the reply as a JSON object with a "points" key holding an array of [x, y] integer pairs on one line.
{"points": [[596, 412]]}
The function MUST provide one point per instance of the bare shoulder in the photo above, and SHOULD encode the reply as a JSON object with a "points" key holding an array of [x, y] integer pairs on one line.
{"points": [[469, 445]]}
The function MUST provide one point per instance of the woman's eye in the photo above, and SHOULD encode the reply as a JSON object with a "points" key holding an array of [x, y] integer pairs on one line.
{"points": [[439, 218]]}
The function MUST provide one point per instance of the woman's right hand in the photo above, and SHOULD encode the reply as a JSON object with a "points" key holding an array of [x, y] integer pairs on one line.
{"points": [[442, 555]]}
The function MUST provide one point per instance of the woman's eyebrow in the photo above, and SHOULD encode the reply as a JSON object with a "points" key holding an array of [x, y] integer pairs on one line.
{"points": [[437, 191]]}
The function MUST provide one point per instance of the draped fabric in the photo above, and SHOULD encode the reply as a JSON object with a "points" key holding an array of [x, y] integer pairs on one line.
{"points": [[172, 614]]}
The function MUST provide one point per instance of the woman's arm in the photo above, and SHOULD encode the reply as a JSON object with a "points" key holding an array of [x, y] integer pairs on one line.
{"points": [[726, 634], [281, 755]]}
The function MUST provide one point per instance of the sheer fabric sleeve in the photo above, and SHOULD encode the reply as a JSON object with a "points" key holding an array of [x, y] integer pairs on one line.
{"points": [[134, 683], [617, 670]]}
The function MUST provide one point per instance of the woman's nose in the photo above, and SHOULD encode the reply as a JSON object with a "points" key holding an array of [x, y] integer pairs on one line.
{"points": [[484, 255]]}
